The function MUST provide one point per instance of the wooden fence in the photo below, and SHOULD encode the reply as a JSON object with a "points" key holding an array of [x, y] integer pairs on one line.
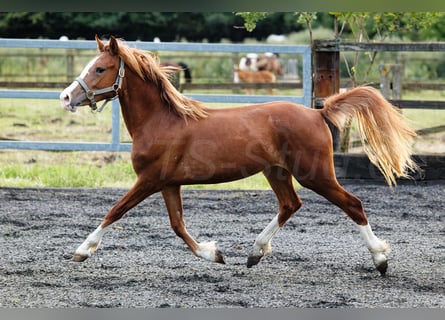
{"points": [[327, 69], [326, 58]]}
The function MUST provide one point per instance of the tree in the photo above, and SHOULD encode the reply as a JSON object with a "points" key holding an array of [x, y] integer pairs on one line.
{"points": [[168, 26]]}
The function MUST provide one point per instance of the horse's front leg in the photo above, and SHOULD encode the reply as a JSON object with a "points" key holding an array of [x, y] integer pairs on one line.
{"points": [[90, 245], [136, 194], [173, 201]]}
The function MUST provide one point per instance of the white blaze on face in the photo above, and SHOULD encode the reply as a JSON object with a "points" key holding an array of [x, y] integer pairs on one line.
{"points": [[84, 72], [66, 98]]}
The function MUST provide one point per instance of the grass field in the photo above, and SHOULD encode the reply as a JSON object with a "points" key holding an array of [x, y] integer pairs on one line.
{"points": [[45, 120]]}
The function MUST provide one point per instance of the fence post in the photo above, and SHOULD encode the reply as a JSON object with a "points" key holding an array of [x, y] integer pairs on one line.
{"points": [[115, 124], [385, 84], [394, 83], [397, 71], [69, 65], [326, 61]]}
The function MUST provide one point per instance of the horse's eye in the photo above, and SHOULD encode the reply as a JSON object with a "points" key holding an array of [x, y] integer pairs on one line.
{"points": [[100, 70]]}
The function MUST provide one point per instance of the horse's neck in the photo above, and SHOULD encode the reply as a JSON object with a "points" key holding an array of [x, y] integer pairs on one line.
{"points": [[140, 104]]}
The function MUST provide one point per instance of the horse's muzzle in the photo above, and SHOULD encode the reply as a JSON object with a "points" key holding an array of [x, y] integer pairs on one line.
{"points": [[66, 98]]}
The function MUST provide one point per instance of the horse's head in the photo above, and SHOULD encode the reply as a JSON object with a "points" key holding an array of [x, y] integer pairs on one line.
{"points": [[100, 80]]}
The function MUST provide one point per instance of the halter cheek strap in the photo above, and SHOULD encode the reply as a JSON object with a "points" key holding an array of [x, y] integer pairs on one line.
{"points": [[114, 88]]}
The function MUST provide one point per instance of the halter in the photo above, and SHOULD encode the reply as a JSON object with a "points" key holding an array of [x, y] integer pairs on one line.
{"points": [[114, 88]]}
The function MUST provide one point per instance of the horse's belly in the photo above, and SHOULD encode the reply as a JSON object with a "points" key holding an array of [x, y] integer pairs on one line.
{"points": [[219, 164], [215, 171]]}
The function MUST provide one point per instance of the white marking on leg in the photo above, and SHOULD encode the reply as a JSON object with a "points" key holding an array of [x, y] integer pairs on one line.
{"points": [[377, 247], [207, 250], [91, 243], [262, 245]]}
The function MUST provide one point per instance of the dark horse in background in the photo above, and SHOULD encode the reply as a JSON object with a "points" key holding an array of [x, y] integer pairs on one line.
{"points": [[175, 78], [178, 141]]}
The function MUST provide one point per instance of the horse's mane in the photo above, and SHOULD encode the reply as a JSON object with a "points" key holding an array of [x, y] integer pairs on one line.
{"points": [[148, 68]]}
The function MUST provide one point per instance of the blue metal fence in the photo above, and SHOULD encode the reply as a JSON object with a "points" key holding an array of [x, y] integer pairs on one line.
{"points": [[115, 144]]}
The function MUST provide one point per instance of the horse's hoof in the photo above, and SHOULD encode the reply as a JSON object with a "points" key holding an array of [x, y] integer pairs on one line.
{"points": [[253, 260], [219, 257], [382, 267], [79, 257]]}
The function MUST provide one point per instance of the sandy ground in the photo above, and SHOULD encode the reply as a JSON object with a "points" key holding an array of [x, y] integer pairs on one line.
{"points": [[319, 259]]}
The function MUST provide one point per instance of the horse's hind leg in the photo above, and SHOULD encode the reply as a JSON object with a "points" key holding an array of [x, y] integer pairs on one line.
{"points": [[281, 182], [352, 206], [173, 201]]}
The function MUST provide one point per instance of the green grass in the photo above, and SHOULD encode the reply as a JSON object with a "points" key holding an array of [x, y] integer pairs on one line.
{"points": [[28, 168]]}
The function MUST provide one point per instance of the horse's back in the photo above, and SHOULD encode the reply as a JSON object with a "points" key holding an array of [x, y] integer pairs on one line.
{"points": [[275, 122], [278, 114]]}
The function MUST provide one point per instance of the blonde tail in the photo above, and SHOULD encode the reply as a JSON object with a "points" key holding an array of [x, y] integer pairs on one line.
{"points": [[386, 138]]}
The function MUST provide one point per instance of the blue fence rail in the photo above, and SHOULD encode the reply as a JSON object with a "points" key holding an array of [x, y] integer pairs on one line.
{"points": [[115, 144]]}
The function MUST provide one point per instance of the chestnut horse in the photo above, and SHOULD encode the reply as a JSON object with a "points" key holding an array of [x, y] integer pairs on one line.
{"points": [[247, 76], [262, 62], [178, 141]]}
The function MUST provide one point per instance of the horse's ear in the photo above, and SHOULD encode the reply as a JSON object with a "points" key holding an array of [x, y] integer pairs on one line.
{"points": [[100, 44], [114, 46]]}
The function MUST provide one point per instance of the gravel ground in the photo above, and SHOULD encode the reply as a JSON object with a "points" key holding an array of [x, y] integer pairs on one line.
{"points": [[319, 259]]}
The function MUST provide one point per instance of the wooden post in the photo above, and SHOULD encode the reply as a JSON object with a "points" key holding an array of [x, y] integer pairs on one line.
{"points": [[385, 83], [326, 79], [391, 80], [397, 75], [70, 65]]}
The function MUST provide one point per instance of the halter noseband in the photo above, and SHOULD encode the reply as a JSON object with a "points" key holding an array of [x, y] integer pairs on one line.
{"points": [[114, 88]]}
